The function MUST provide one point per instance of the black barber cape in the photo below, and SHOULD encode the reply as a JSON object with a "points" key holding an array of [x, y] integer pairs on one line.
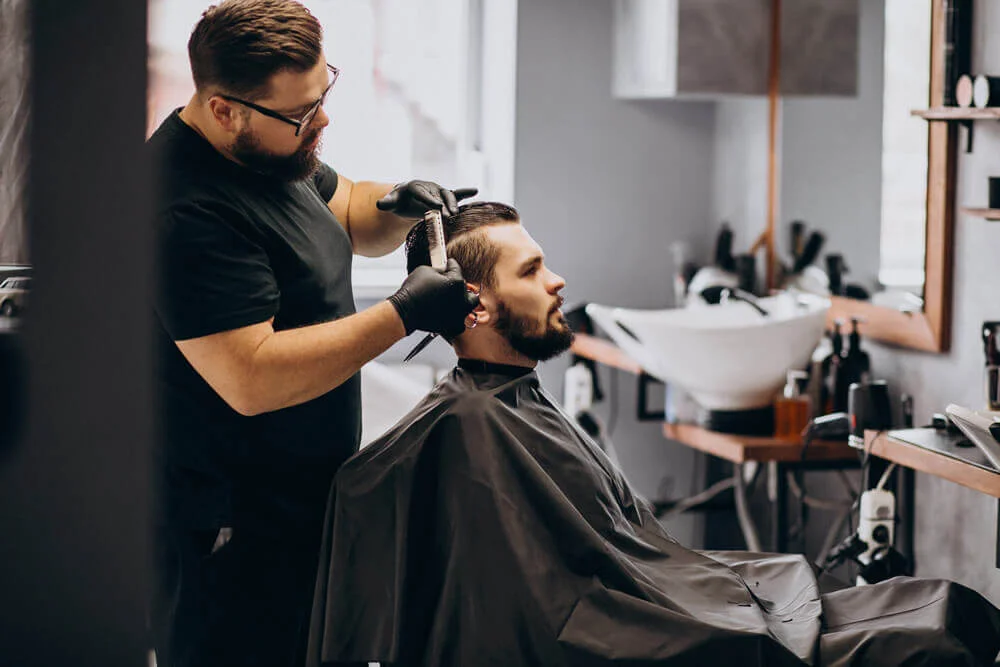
{"points": [[486, 528]]}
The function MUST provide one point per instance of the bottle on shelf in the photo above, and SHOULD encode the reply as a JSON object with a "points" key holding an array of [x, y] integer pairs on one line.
{"points": [[792, 409]]}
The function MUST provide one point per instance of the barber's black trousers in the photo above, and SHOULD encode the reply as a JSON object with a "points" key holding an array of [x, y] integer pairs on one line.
{"points": [[243, 604]]}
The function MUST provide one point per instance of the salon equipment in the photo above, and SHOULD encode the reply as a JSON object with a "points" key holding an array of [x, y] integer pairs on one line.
{"points": [[868, 408], [439, 261], [727, 357], [792, 407], [724, 249], [798, 230], [986, 91], [746, 272], [992, 365], [835, 269], [994, 198], [435, 240], [723, 271], [723, 295], [963, 91], [829, 370], [958, 46], [982, 428], [834, 426], [876, 523], [857, 366], [809, 254]]}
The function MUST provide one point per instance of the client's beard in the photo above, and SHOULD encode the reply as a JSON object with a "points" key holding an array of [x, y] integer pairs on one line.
{"points": [[295, 167], [519, 332]]}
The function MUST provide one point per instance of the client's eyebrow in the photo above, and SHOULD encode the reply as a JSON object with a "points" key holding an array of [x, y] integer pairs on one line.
{"points": [[530, 264]]}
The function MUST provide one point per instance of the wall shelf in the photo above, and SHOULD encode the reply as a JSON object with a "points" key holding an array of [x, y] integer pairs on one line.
{"points": [[963, 115], [958, 113], [987, 213]]}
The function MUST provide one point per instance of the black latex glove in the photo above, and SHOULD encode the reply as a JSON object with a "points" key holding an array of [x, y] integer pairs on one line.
{"points": [[434, 301], [414, 198]]}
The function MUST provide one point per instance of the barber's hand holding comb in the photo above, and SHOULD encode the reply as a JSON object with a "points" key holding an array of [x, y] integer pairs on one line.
{"points": [[414, 198]]}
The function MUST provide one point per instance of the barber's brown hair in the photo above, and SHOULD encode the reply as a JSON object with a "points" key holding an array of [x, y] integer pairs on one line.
{"points": [[464, 240], [238, 45]]}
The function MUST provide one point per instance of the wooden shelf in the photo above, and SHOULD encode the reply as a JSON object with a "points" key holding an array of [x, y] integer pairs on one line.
{"points": [[987, 213], [604, 352], [743, 448], [937, 456], [958, 113]]}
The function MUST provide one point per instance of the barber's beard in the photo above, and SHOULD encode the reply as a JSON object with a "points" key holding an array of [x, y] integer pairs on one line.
{"points": [[523, 333], [295, 167]]}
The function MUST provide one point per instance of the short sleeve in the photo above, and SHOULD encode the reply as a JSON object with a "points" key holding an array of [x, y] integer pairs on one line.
{"points": [[213, 276], [325, 179]]}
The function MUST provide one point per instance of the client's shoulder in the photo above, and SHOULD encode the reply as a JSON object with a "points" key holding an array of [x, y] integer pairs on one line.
{"points": [[472, 396], [458, 403]]}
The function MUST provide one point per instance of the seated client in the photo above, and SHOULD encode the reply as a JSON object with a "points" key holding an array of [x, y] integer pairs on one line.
{"points": [[486, 528]]}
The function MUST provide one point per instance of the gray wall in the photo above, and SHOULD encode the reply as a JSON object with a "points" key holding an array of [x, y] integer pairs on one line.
{"points": [[739, 195], [956, 527], [606, 186]]}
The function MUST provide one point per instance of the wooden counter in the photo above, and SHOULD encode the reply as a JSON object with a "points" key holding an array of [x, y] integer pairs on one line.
{"points": [[936, 454], [743, 448], [735, 448], [604, 352]]}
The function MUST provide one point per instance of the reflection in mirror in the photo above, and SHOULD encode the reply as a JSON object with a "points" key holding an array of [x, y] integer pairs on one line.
{"points": [[13, 159], [904, 149], [854, 170]]}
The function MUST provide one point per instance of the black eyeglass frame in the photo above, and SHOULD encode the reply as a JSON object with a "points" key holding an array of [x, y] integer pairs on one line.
{"points": [[299, 124]]}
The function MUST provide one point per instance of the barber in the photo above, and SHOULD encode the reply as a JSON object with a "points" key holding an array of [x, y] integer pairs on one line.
{"points": [[259, 342]]}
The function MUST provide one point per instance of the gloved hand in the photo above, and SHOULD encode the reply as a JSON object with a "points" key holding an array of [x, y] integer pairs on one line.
{"points": [[414, 198], [433, 301]]}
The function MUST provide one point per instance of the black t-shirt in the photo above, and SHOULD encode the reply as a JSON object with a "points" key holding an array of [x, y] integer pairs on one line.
{"points": [[236, 248]]}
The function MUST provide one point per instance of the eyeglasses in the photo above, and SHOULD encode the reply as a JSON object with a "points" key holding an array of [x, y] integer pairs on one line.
{"points": [[301, 123]]}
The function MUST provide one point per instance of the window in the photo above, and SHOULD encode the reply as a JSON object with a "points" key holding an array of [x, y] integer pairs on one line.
{"points": [[426, 91]]}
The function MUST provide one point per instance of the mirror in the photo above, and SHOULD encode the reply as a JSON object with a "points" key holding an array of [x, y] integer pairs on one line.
{"points": [[876, 181]]}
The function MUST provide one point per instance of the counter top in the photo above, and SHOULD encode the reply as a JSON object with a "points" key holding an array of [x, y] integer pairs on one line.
{"points": [[936, 453], [742, 448]]}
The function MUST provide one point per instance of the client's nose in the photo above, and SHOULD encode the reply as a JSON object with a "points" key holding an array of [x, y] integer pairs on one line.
{"points": [[555, 282]]}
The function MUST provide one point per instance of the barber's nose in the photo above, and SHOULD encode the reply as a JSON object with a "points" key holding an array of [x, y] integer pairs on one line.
{"points": [[556, 282], [321, 119]]}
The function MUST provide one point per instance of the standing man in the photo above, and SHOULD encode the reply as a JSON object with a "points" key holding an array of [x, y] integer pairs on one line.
{"points": [[260, 345]]}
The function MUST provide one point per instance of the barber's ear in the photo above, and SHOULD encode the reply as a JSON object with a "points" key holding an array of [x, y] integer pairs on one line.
{"points": [[224, 113]]}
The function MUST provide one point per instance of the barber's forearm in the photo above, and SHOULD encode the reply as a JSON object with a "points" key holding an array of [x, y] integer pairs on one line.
{"points": [[294, 366], [373, 232]]}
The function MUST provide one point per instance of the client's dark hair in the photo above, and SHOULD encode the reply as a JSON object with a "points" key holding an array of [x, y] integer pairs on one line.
{"points": [[472, 250]]}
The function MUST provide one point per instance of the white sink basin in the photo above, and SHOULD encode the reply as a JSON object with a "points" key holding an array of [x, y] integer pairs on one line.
{"points": [[726, 356]]}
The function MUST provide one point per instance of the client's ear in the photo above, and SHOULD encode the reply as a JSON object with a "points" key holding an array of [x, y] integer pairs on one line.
{"points": [[481, 311]]}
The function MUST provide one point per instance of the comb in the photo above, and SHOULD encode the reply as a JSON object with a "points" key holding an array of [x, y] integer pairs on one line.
{"points": [[439, 261], [435, 240]]}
